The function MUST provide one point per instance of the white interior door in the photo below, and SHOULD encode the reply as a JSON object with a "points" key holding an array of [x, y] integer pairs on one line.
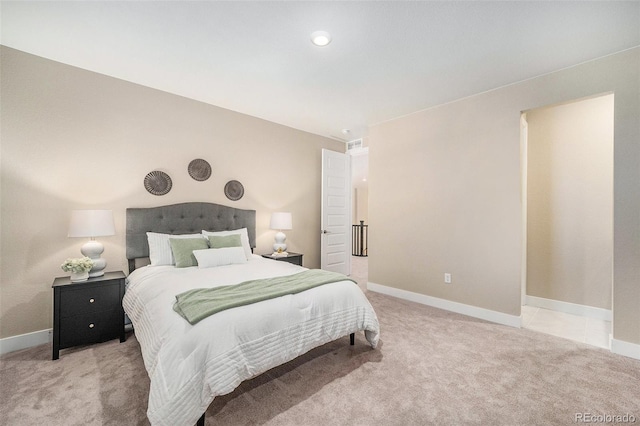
{"points": [[336, 212]]}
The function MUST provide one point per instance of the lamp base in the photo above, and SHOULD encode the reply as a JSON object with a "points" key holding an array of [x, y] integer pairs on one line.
{"points": [[93, 249], [279, 248], [98, 267], [280, 245]]}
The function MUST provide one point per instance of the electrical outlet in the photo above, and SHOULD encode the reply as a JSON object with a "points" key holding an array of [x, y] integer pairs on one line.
{"points": [[447, 278]]}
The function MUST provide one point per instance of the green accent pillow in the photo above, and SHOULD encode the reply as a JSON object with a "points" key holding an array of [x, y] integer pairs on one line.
{"points": [[219, 241], [182, 249]]}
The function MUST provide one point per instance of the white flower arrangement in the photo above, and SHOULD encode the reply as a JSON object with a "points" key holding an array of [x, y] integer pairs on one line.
{"points": [[78, 265]]}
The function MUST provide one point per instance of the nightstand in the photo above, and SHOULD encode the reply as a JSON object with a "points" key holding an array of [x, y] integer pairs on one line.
{"points": [[295, 258], [88, 311]]}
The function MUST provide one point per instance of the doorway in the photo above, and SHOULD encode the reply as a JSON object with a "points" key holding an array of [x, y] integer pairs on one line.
{"points": [[568, 219], [335, 212], [360, 215]]}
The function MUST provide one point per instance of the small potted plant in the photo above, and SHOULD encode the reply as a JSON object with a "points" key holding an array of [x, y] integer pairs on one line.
{"points": [[79, 268]]}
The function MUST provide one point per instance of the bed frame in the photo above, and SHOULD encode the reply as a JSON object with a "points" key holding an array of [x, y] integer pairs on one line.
{"points": [[185, 218]]}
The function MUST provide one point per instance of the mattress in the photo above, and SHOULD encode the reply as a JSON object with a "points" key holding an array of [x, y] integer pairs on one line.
{"points": [[189, 365]]}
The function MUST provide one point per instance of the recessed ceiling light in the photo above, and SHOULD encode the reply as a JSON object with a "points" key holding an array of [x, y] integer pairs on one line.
{"points": [[346, 131], [320, 38]]}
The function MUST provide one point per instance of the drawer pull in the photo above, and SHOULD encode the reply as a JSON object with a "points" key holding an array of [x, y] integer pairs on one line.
{"points": [[92, 300], [91, 325]]}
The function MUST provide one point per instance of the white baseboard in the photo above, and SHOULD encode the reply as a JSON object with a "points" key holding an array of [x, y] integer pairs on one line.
{"points": [[24, 341], [569, 308], [620, 347], [448, 305]]}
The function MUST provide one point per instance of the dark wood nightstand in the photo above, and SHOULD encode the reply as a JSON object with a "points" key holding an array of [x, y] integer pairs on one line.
{"points": [[295, 258], [88, 311]]}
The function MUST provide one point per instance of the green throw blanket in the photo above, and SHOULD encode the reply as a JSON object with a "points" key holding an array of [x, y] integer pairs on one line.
{"points": [[195, 305]]}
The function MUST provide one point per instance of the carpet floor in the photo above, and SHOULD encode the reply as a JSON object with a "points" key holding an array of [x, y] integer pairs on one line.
{"points": [[432, 368]]}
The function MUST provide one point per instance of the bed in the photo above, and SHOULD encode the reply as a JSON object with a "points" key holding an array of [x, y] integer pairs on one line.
{"points": [[189, 365]]}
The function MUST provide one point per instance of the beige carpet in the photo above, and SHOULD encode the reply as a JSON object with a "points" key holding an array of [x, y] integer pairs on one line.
{"points": [[432, 367]]}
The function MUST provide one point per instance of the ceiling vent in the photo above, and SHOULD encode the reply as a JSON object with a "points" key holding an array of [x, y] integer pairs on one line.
{"points": [[354, 144]]}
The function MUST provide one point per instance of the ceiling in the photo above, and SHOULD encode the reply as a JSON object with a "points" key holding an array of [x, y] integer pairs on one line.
{"points": [[386, 59]]}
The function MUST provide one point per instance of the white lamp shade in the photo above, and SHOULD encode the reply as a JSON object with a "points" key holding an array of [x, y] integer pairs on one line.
{"points": [[281, 220], [91, 223]]}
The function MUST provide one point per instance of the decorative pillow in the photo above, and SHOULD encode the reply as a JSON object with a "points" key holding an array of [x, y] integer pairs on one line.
{"points": [[182, 249], [244, 238], [160, 249], [219, 257], [223, 241]]}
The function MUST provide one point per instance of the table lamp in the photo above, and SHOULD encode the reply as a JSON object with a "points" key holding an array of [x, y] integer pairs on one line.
{"points": [[280, 221], [92, 224]]}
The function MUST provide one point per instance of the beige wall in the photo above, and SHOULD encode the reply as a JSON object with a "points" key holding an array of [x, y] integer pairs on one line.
{"points": [[73, 139], [444, 191], [570, 202]]}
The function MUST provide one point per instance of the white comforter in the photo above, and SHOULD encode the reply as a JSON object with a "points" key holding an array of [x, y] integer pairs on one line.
{"points": [[190, 365]]}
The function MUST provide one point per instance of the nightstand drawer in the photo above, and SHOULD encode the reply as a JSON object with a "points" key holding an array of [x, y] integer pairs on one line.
{"points": [[82, 300], [90, 328], [296, 260]]}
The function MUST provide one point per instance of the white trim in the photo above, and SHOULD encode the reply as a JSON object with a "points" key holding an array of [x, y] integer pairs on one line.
{"points": [[569, 308], [448, 305], [24, 341], [524, 164], [620, 347]]}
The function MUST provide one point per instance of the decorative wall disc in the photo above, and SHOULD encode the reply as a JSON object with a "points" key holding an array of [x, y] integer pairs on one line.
{"points": [[234, 190], [199, 169], [157, 182]]}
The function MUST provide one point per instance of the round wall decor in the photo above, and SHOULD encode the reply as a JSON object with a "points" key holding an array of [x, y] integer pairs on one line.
{"points": [[157, 182], [233, 190], [199, 169]]}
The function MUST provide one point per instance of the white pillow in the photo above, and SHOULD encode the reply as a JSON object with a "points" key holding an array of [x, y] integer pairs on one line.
{"points": [[219, 257], [244, 238], [160, 250]]}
